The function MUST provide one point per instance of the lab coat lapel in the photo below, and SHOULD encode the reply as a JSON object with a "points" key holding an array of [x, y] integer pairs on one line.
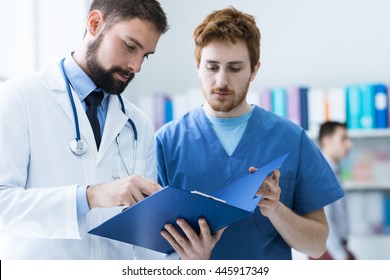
{"points": [[115, 121], [58, 88], [57, 85]]}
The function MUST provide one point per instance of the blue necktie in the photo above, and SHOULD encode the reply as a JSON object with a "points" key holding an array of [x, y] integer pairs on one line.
{"points": [[92, 101]]}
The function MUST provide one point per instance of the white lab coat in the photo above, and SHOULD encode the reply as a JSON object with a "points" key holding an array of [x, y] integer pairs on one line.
{"points": [[338, 222], [39, 174]]}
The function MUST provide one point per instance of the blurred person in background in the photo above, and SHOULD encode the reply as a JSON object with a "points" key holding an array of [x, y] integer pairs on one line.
{"points": [[335, 144]]}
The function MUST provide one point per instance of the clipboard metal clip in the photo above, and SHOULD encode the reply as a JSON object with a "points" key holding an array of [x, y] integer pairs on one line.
{"points": [[208, 196]]}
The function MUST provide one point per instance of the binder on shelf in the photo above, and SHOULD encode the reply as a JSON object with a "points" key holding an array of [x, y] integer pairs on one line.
{"points": [[265, 99], [163, 107], [304, 107], [336, 102], [180, 101], [186, 101], [141, 224], [381, 106], [159, 108], [168, 109], [279, 101], [146, 103], [367, 107], [316, 108], [294, 105], [386, 213], [388, 106], [353, 106]]}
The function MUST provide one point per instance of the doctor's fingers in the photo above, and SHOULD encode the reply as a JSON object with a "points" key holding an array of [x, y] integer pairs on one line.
{"points": [[252, 169], [132, 197], [145, 186]]}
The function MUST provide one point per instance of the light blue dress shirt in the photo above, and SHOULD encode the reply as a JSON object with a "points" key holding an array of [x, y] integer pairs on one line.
{"points": [[82, 85]]}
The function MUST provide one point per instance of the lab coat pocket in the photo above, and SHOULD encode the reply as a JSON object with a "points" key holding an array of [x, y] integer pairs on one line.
{"points": [[124, 162], [127, 166], [140, 167]]}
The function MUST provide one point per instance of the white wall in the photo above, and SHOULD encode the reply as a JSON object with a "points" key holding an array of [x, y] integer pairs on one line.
{"points": [[17, 29], [61, 25], [33, 32], [304, 42]]}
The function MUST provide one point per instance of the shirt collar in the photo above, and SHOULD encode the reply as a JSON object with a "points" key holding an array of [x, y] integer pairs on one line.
{"points": [[230, 121], [80, 81]]}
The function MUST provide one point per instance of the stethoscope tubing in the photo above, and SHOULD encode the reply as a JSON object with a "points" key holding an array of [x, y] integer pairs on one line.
{"points": [[79, 141], [76, 118]]}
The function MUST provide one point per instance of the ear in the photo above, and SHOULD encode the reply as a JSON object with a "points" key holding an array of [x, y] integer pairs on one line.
{"points": [[325, 142], [94, 22], [253, 75]]}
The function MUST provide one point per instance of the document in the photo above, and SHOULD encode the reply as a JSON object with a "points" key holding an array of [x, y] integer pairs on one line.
{"points": [[142, 223]]}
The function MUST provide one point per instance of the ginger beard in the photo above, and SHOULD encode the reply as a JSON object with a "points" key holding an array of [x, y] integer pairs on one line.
{"points": [[224, 99]]}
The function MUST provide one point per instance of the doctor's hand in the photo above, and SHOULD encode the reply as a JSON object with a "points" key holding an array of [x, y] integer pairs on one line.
{"points": [[192, 246], [270, 190], [122, 192]]}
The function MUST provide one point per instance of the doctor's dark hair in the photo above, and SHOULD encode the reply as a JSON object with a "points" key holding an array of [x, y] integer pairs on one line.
{"points": [[115, 11], [231, 25]]}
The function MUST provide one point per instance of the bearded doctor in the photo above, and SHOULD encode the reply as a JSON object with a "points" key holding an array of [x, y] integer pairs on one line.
{"points": [[73, 151]]}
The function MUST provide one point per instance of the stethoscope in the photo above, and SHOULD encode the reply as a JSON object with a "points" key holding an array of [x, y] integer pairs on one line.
{"points": [[78, 145]]}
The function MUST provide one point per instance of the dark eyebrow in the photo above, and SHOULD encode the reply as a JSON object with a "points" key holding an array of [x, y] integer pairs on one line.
{"points": [[135, 41]]}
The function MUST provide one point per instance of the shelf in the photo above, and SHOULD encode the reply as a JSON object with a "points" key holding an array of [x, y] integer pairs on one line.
{"points": [[360, 133], [366, 186], [369, 133]]}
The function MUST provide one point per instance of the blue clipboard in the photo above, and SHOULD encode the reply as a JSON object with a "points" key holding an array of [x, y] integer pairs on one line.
{"points": [[142, 223]]}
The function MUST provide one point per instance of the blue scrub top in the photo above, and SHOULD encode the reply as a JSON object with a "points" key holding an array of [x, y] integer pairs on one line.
{"points": [[190, 157]]}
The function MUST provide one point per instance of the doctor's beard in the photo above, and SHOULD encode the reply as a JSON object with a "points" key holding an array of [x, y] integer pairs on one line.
{"points": [[104, 78]]}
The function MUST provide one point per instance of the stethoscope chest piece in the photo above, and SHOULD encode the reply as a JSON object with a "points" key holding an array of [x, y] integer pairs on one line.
{"points": [[78, 147]]}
